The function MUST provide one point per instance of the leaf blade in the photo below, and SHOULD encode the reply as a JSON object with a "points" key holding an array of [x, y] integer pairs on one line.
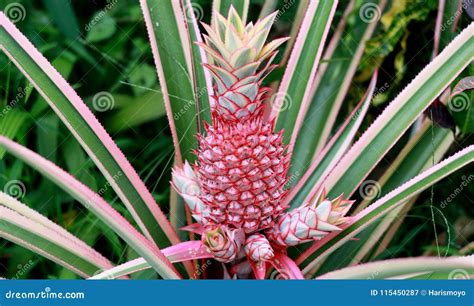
{"points": [[48, 241], [400, 114], [95, 204], [174, 67], [402, 267], [291, 105], [396, 198], [87, 130]]}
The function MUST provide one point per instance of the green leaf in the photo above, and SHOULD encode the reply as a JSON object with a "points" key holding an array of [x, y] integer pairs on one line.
{"points": [[171, 49], [203, 81], [24, 226], [97, 205], [395, 22], [332, 86], [400, 114], [309, 184], [11, 121], [403, 268], [461, 103], [88, 131], [426, 148], [292, 100], [144, 77], [397, 198]]}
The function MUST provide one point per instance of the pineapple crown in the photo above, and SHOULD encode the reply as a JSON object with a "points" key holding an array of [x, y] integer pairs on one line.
{"points": [[239, 60]]}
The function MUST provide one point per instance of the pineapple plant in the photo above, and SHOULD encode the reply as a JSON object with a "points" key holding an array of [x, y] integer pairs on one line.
{"points": [[255, 193]]}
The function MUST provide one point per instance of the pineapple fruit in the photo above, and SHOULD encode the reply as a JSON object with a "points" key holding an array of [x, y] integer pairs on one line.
{"points": [[236, 188]]}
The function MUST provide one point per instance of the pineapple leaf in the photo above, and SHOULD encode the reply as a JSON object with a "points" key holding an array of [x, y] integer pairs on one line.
{"points": [[404, 268], [88, 131], [309, 184], [173, 60], [184, 251], [331, 85], [397, 198], [291, 104], [223, 7], [400, 114], [415, 157], [95, 204], [24, 226], [203, 82]]}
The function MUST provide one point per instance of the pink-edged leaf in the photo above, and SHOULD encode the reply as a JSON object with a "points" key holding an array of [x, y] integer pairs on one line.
{"points": [[132, 266], [332, 82], [398, 116], [203, 89], [295, 27], [171, 48], [33, 215], [294, 94], [185, 251], [396, 198], [287, 268], [309, 184], [401, 268], [46, 242], [87, 130], [96, 205]]}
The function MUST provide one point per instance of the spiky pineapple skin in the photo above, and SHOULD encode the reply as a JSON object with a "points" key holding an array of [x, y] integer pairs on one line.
{"points": [[242, 169]]}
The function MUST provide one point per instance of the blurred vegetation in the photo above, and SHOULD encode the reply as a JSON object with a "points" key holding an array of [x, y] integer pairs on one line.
{"points": [[102, 46]]}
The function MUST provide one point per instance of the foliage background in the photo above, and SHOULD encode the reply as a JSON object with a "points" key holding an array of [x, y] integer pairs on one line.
{"points": [[102, 49]]}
